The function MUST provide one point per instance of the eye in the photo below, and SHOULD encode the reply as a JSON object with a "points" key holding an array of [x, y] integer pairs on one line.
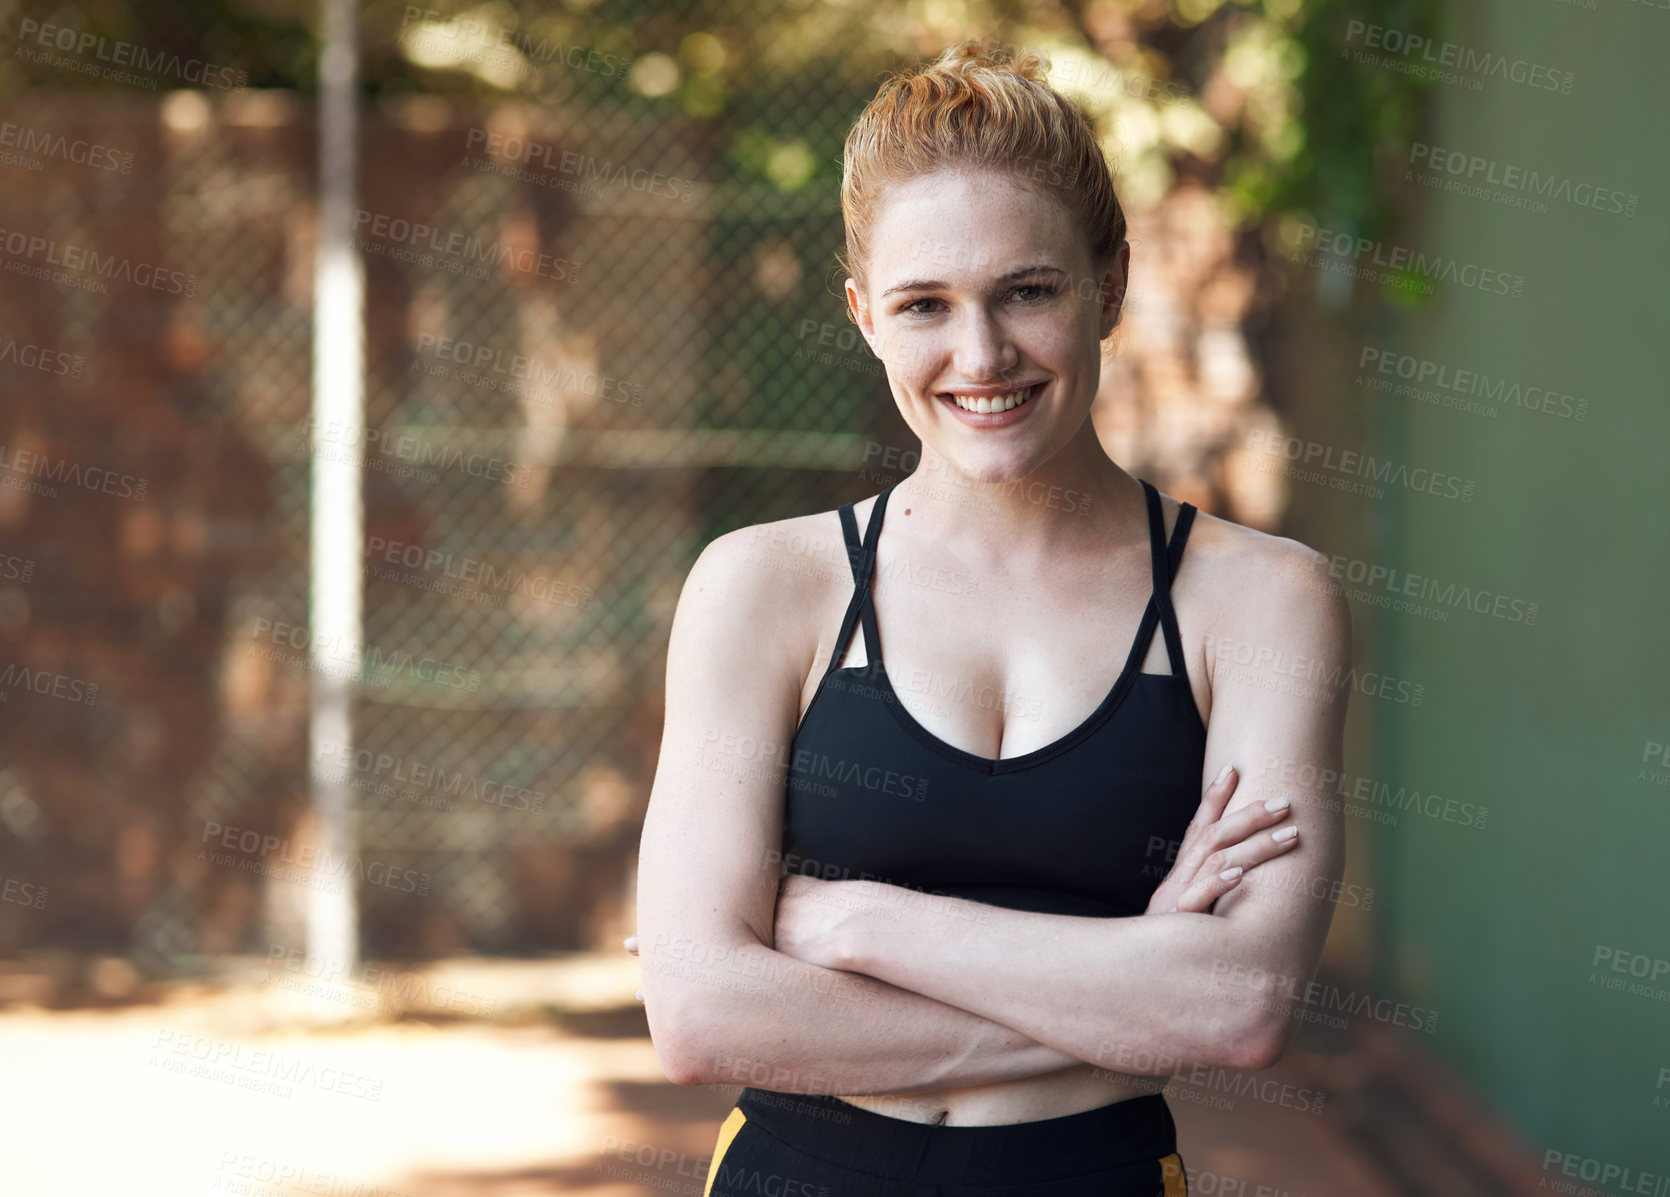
{"points": [[1043, 292], [915, 310]]}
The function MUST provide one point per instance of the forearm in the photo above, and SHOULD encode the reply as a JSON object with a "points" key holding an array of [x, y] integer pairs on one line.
{"points": [[1093, 988], [758, 1017]]}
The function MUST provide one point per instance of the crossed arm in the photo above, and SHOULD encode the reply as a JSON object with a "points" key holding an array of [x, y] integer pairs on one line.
{"points": [[853, 987]]}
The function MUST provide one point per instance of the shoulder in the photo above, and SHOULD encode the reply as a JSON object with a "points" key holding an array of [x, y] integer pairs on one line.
{"points": [[764, 584], [1272, 590], [759, 560]]}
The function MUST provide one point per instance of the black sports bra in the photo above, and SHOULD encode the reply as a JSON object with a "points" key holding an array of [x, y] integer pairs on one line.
{"points": [[1084, 825]]}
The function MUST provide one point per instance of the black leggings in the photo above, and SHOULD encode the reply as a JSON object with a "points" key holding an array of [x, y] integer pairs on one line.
{"points": [[813, 1145]]}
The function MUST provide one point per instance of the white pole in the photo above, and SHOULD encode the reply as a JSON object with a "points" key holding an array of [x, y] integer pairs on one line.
{"points": [[337, 520]]}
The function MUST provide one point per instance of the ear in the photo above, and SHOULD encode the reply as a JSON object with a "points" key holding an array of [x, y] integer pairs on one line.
{"points": [[859, 309], [1112, 288]]}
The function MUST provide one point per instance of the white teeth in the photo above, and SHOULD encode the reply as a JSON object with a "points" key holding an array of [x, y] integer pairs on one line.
{"points": [[999, 403]]}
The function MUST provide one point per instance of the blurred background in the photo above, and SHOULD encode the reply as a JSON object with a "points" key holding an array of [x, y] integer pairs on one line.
{"points": [[318, 823]]}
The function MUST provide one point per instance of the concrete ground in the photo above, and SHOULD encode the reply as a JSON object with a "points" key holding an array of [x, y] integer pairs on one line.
{"points": [[400, 1086]]}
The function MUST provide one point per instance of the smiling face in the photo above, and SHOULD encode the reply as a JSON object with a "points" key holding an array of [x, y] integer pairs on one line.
{"points": [[981, 289]]}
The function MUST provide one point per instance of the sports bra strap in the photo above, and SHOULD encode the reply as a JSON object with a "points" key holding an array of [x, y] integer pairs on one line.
{"points": [[862, 558], [1165, 565]]}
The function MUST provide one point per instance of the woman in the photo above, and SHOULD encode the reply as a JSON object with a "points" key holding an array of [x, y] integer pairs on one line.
{"points": [[948, 935]]}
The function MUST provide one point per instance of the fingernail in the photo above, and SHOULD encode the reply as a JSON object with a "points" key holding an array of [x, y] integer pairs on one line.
{"points": [[629, 942], [1277, 803], [1232, 874], [1286, 833], [639, 995], [1222, 774]]}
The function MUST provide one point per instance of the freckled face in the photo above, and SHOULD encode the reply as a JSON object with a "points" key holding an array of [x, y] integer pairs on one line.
{"points": [[983, 289]]}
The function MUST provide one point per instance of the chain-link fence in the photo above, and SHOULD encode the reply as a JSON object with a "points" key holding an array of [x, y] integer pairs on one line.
{"points": [[599, 333]]}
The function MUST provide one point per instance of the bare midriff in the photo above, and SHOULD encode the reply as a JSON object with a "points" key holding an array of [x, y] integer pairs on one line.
{"points": [[1051, 1095]]}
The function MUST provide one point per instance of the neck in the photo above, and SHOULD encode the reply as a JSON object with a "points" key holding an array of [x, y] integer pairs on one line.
{"points": [[1079, 497]]}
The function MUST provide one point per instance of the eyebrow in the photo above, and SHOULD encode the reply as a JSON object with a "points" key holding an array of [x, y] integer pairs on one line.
{"points": [[931, 284]]}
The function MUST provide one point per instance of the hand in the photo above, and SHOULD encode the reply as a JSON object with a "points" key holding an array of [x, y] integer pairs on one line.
{"points": [[631, 945], [816, 919], [1217, 850], [812, 918]]}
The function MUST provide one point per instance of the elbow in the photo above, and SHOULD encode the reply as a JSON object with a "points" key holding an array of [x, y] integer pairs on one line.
{"points": [[681, 1047], [681, 1067], [1257, 1044]]}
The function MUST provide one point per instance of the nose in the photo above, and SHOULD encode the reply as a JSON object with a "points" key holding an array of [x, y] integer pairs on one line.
{"points": [[984, 348]]}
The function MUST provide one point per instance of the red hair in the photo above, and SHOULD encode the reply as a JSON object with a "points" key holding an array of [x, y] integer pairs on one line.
{"points": [[978, 105]]}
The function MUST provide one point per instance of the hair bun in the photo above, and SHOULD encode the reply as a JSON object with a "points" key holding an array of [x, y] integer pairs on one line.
{"points": [[987, 106], [976, 53]]}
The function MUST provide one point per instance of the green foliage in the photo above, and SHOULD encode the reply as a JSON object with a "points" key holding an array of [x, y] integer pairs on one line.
{"points": [[1355, 115], [1314, 127]]}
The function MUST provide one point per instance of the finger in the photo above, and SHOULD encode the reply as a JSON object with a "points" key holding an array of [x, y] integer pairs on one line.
{"points": [[1246, 822], [1217, 795], [632, 943], [1207, 889], [1261, 847], [1207, 814]]}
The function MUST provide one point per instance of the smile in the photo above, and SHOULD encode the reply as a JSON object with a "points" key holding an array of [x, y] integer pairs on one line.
{"points": [[996, 403]]}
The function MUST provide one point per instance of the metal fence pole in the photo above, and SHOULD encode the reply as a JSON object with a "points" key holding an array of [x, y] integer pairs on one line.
{"points": [[337, 517]]}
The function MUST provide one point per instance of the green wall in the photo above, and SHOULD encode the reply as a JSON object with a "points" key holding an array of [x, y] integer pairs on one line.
{"points": [[1498, 927]]}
